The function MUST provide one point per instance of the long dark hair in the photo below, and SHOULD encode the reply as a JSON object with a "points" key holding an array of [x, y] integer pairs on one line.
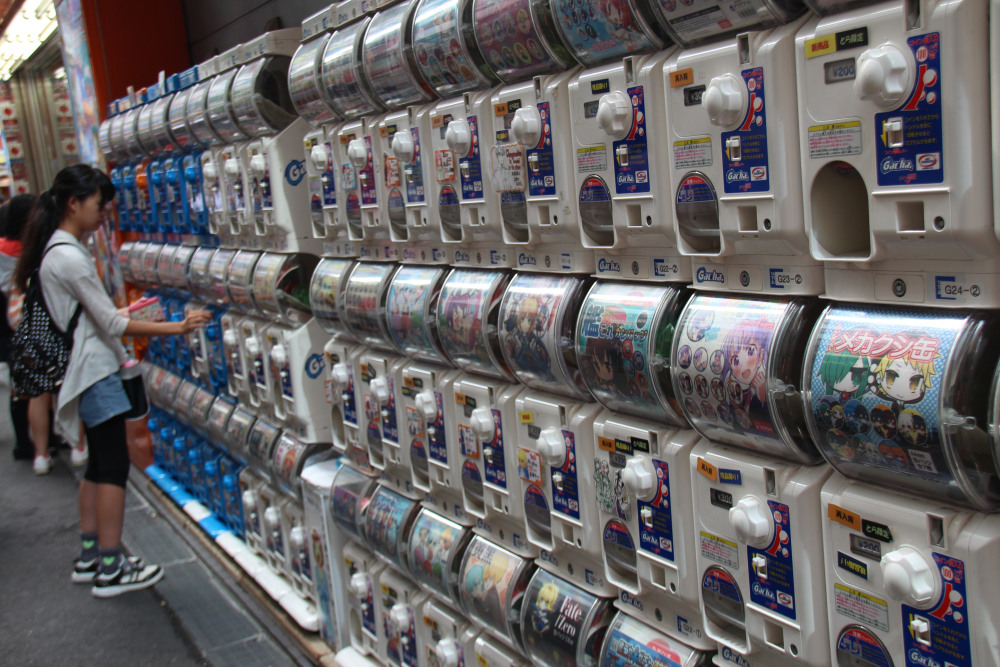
{"points": [[15, 216], [79, 181]]}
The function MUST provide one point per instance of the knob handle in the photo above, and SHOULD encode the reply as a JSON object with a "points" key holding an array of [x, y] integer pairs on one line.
{"points": [[399, 616], [209, 172], [482, 423], [249, 500], [253, 347], [271, 517], [751, 521], [357, 153], [279, 355], [614, 114], [526, 127], [380, 388], [403, 146], [258, 164], [447, 653], [724, 100], [459, 136], [233, 167], [908, 576], [229, 339], [882, 75], [319, 157], [427, 404], [359, 585], [552, 447], [340, 375], [639, 475], [297, 537]]}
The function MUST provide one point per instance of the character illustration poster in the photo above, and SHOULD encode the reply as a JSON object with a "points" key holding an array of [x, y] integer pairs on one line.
{"points": [[488, 582], [408, 304], [463, 307], [555, 619], [384, 519], [361, 300], [431, 544], [325, 289], [876, 389]]}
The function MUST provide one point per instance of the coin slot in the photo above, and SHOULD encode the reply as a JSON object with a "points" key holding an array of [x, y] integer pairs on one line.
{"points": [[658, 576], [629, 67], [568, 534], [473, 213], [543, 216], [769, 482], [633, 213], [935, 530], [743, 44], [910, 216]]}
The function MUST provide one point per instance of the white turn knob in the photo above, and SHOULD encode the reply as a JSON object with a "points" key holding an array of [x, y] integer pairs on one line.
{"points": [[359, 585], [426, 404], [249, 500], [459, 137], [552, 447], [639, 476], [908, 576], [527, 126], [229, 339], [724, 100], [751, 521], [882, 75], [447, 653], [399, 616], [233, 167], [258, 164], [279, 355], [209, 172], [297, 538], [614, 114], [403, 146], [319, 157], [252, 347], [380, 388], [482, 423], [271, 517], [340, 375], [357, 153]]}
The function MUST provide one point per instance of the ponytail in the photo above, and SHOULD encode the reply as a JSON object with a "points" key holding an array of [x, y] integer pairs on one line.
{"points": [[79, 181]]}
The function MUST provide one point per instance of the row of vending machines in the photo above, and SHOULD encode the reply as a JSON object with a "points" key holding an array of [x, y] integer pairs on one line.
{"points": [[767, 147], [758, 480]]}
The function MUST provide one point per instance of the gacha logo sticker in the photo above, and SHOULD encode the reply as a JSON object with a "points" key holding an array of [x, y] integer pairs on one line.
{"points": [[314, 366], [705, 276], [295, 172]]}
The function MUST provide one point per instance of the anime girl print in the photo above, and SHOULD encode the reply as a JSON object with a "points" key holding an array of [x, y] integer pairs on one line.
{"points": [[745, 355]]}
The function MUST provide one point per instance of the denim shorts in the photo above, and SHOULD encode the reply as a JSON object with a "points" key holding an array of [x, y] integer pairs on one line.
{"points": [[103, 400]]}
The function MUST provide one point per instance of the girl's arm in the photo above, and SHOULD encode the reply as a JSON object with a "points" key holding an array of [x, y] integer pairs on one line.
{"points": [[194, 320]]}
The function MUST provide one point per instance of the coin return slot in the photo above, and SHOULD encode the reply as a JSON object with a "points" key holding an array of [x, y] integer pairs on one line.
{"points": [[921, 630], [910, 216], [658, 576], [633, 214], [562, 416], [440, 477], [935, 531], [497, 502], [746, 217], [774, 635], [474, 216], [893, 130], [543, 216], [568, 534]]}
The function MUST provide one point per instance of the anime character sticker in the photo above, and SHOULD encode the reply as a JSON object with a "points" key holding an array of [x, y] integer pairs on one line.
{"points": [[463, 306], [555, 619], [488, 578], [430, 547], [407, 302]]}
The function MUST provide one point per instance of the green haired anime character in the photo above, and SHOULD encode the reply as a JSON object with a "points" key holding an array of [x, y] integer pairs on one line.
{"points": [[844, 375]]}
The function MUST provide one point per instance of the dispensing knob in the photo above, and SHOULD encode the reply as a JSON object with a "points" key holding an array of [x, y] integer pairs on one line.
{"points": [[482, 423], [253, 347], [447, 653], [271, 518], [552, 447], [258, 164], [319, 157], [459, 136], [249, 500], [639, 476], [233, 167], [279, 355], [882, 75], [230, 340], [427, 404], [614, 114], [751, 521], [191, 173], [340, 375], [380, 388], [403, 146], [399, 616], [724, 100], [357, 153], [526, 127], [359, 585], [297, 538], [908, 576]]}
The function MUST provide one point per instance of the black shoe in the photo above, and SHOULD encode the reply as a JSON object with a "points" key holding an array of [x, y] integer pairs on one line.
{"points": [[24, 454]]}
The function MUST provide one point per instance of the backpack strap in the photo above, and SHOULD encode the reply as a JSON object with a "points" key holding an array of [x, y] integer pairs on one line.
{"points": [[71, 327]]}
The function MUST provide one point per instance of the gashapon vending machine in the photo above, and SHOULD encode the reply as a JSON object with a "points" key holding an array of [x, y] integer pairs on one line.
{"points": [[184, 165], [202, 168], [237, 322]]}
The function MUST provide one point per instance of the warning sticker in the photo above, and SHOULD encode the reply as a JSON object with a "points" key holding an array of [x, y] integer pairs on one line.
{"points": [[835, 139], [693, 153], [508, 168], [722, 551], [591, 159], [861, 607]]}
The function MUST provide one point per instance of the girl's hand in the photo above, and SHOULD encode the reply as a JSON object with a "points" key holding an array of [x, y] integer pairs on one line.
{"points": [[195, 320]]}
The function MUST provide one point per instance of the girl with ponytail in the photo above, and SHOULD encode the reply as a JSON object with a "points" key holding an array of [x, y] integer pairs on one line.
{"points": [[92, 388]]}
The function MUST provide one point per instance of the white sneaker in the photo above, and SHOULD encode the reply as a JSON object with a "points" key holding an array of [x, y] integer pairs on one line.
{"points": [[43, 464], [78, 457]]}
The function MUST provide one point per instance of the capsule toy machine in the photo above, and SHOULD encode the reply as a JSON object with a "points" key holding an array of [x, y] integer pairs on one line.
{"points": [[425, 382], [172, 429], [208, 360], [449, 60], [311, 103], [114, 172], [145, 145], [462, 477], [238, 429], [226, 497], [170, 195], [293, 345], [562, 623], [353, 184], [186, 439], [274, 209], [260, 445], [631, 642], [912, 428], [253, 332], [203, 456], [447, 636], [199, 282], [737, 364], [133, 170], [492, 588], [358, 568], [178, 271], [553, 445], [894, 183], [288, 460], [377, 371], [228, 193], [163, 278], [189, 205], [135, 130], [159, 417], [436, 545], [236, 321], [340, 356], [320, 535], [202, 166], [402, 603], [642, 446], [734, 163]]}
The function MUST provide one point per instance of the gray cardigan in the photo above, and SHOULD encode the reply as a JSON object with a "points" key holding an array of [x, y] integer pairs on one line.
{"points": [[69, 276]]}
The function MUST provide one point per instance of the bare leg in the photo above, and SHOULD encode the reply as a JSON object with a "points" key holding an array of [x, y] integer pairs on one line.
{"points": [[88, 506], [38, 419], [110, 515]]}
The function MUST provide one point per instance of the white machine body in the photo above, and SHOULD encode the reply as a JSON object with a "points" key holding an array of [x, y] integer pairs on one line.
{"points": [[401, 603], [296, 367], [323, 540], [376, 378], [359, 571], [448, 638]]}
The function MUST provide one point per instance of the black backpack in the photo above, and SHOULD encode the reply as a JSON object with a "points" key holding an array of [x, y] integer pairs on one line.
{"points": [[39, 351]]}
